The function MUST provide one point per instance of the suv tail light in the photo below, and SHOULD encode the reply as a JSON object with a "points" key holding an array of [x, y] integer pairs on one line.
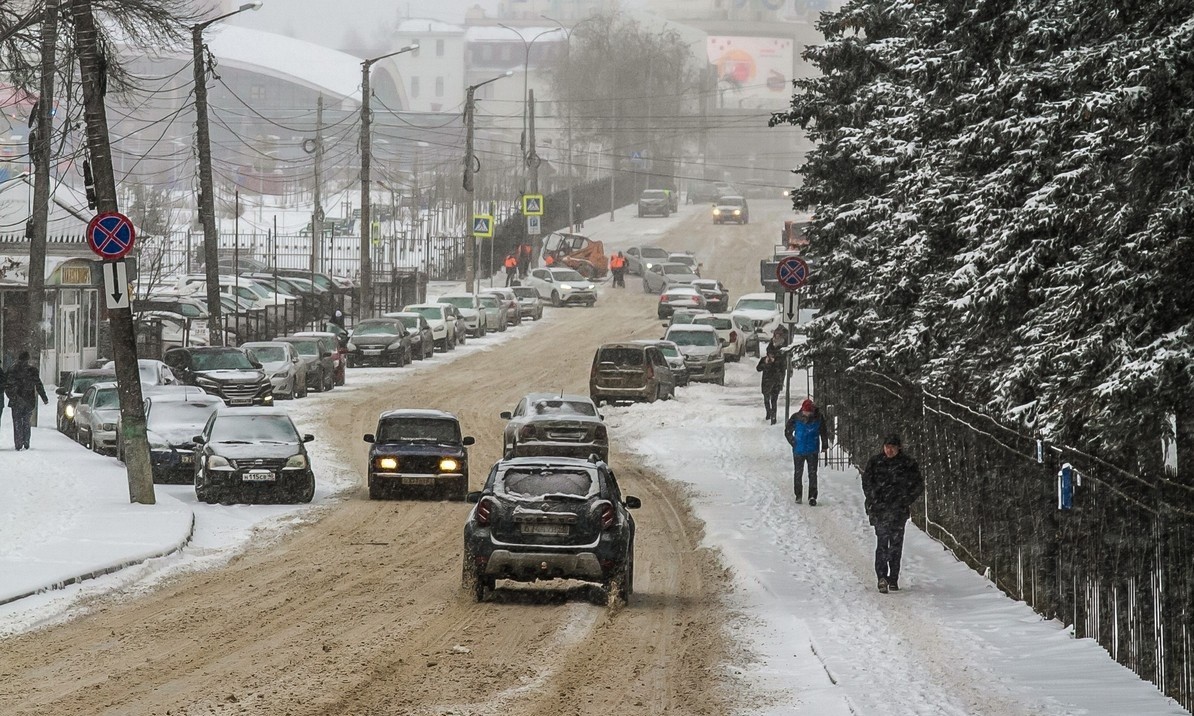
{"points": [[526, 432], [608, 515], [484, 512], [663, 298], [600, 433]]}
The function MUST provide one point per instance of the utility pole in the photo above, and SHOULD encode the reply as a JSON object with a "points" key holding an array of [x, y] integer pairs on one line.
{"points": [[470, 168], [366, 227], [532, 156], [317, 214], [41, 145], [124, 345]]}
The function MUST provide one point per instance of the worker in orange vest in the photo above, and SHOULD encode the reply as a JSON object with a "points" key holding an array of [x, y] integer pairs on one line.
{"points": [[617, 264], [524, 259], [511, 264], [549, 260]]}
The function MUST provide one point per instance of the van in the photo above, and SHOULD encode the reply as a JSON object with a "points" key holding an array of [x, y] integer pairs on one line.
{"points": [[630, 372]]}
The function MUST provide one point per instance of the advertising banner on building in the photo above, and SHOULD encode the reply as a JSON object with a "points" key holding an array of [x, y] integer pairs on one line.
{"points": [[752, 72]]}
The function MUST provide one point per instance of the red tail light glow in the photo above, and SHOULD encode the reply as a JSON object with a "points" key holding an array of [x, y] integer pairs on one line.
{"points": [[663, 298], [608, 516], [484, 512]]}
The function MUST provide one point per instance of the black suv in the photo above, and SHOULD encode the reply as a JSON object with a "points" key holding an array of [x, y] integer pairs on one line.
{"points": [[418, 453], [228, 373], [550, 518]]}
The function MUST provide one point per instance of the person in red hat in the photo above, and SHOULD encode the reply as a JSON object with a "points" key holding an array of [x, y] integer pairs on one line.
{"points": [[808, 433]]}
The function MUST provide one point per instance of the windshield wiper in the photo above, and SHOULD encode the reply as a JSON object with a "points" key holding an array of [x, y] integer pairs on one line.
{"points": [[234, 442]]}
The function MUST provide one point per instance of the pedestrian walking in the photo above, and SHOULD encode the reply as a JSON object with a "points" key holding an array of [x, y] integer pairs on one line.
{"points": [[511, 264], [2, 385], [578, 215], [771, 365], [617, 264], [808, 433], [891, 483], [23, 386], [524, 259]]}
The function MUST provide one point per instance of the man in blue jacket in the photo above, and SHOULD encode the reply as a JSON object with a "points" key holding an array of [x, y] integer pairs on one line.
{"points": [[807, 433]]}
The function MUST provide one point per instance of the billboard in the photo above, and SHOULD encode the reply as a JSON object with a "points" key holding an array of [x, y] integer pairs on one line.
{"points": [[752, 72]]}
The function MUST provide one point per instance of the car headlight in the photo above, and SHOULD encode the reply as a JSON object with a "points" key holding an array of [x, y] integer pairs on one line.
{"points": [[203, 380], [449, 464], [590, 287], [566, 287], [649, 264], [108, 427], [352, 346], [716, 212], [296, 462], [395, 346], [387, 463], [268, 397], [216, 462], [737, 212], [69, 412], [281, 374]]}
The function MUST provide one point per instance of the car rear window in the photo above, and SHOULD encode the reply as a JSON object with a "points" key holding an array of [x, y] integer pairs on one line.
{"points": [[430, 430], [654, 194], [564, 407], [526, 292], [650, 252], [621, 356], [721, 324], [82, 382], [535, 484], [692, 338]]}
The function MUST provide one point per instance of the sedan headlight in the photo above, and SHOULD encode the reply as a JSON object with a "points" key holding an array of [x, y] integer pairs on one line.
{"points": [[281, 374], [737, 212], [69, 412], [352, 346], [204, 380], [717, 212], [215, 462], [449, 464], [649, 264], [387, 463], [395, 346], [296, 462], [107, 427]]}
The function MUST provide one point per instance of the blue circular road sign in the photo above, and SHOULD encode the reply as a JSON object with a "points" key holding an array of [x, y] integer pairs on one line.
{"points": [[111, 235], [792, 272]]}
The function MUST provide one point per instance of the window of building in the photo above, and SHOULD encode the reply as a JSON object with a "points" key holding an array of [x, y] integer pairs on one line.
{"points": [[414, 86], [257, 93], [439, 48], [439, 86]]}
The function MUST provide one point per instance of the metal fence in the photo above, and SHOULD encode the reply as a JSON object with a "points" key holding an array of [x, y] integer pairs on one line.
{"points": [[1115, 566]]}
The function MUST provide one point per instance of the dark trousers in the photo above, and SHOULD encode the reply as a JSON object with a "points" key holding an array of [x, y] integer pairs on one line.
{"points": [[511, 273], [797, 482], [889, 548], [771, 403], [20, 426], [620, 277]]}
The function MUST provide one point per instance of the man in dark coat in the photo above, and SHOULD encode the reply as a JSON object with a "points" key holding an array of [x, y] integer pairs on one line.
{"points": [[23, 386], [891, 483], [771, 365], [807, 432]]}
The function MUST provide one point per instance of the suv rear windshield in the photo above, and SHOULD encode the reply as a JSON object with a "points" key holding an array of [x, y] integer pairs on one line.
{"points": [[534, 484], [692, 338], [375, 328], [526, 292], [431, 430], [557, 406], [721, 324], [431, 313], [80, 383], [654, 194], [677, 269], [269, 354], [621, 356], [650, 252]]}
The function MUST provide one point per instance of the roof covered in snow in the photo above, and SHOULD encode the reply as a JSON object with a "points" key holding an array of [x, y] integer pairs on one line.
{"points": [[418, 25], [497, 33], [285, 58]]}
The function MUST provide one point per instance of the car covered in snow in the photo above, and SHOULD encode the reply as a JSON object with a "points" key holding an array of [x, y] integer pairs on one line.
{"points": [[660, 277], [555, 424], [547, 518], [528, 302], [71, 388], [96, 415], [702, 351], [716, 295], [252, 455], [760, 308], [677, 298], [418, 454], [172, 420], [642, 258], [733, 342]]}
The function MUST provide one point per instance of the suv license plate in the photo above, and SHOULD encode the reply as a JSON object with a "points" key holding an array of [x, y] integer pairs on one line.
{"points": [[536, 529], [418, 481], [259, 476], [241, 401]]}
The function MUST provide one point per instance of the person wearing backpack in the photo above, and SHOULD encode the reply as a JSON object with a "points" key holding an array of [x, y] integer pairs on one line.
{"points": [[807, 433]]}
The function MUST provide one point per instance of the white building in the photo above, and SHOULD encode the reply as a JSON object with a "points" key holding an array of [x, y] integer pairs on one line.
{"points": [[433, 75]]}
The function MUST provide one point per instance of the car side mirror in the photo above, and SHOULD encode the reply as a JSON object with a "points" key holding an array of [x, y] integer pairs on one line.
{"points": [[632, 502], [369, 438], [505, 415], [473, 497], [600, 416], [470, 440], [62, 391], [199, 440], [308, 437], [325, 354]]}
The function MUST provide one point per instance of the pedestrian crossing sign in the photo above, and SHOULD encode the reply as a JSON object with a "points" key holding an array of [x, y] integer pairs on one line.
{"points": [[532, 205], [483, 226]]}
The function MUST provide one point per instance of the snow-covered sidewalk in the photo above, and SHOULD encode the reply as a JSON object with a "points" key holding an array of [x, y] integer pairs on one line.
{"points": [[821, 640]]}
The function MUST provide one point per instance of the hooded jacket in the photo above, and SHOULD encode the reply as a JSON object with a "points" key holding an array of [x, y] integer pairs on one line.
{"points": [[807, 434], [891, 485]]}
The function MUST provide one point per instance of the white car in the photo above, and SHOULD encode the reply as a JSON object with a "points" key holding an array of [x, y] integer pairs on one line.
{"points": [[733, 343], [153, 372], [474, 314], [443, 328], [96, 415], [562, 286], [760, 308]]}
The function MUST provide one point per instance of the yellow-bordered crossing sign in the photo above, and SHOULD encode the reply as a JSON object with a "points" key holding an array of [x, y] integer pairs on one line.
{"points": [[483, 226], [532, 205]]}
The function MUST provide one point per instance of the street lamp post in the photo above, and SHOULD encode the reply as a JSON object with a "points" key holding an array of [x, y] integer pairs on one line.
{"points": [[528, 157], [366, 225], [470, 163], [207, 199]]}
